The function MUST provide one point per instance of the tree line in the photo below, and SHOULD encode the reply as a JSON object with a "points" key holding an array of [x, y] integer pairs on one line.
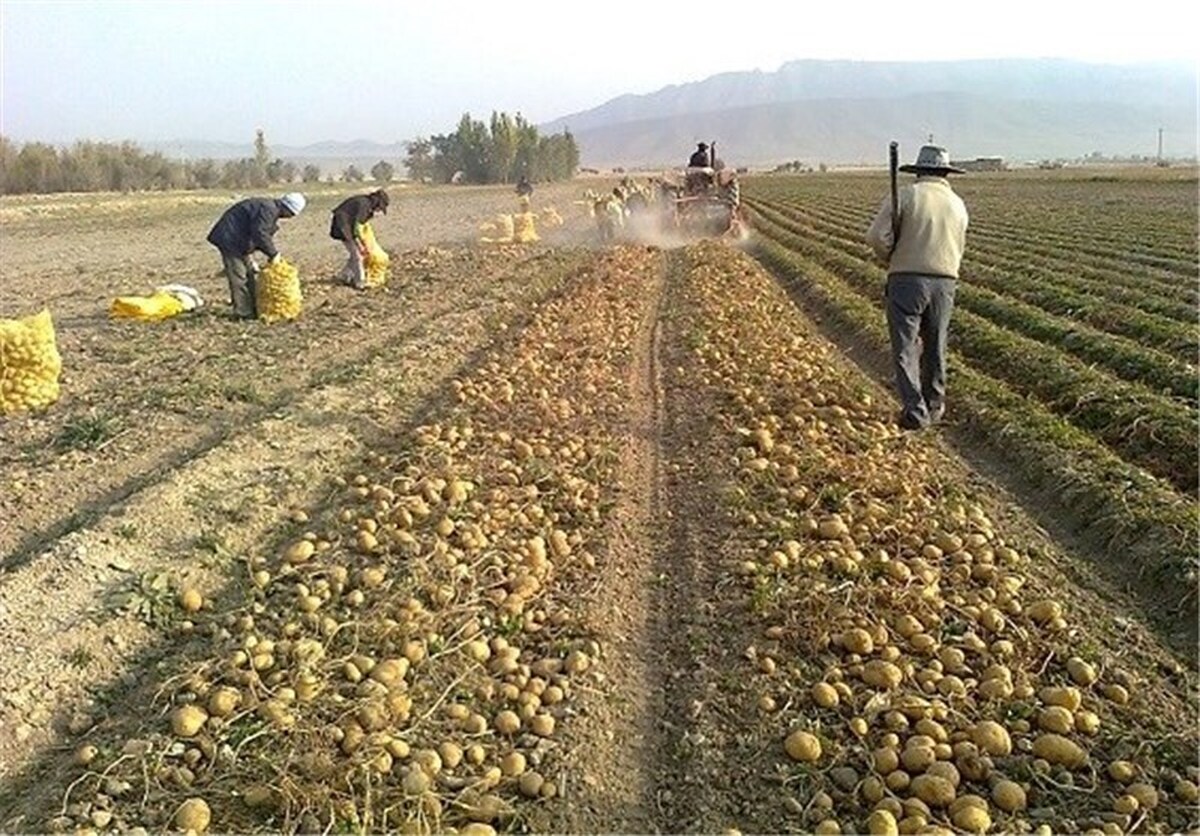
{"points": [[501, 151], [88, 166]]}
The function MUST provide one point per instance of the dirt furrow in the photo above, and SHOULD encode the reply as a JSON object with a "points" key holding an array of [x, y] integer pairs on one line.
{"points": [[617, 766]]}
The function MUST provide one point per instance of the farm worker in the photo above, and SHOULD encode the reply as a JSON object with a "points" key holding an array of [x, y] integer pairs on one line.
{"points": [[923, 265], [700, 158], [347, 217], [524, 187], [248, 226]]}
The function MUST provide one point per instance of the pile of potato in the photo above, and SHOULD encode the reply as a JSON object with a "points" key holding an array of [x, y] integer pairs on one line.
{"points": [[932, 684], [277, 288], [499, 230], [406, 659], [29, 363]]}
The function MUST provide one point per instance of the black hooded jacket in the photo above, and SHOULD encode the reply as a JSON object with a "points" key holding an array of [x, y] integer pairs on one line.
{"points": [[249, 225], [355, 210]]}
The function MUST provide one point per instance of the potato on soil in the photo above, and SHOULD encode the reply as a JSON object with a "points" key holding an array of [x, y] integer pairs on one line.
{"points": [[190, 599], [187, 720], [1060, 751], [193, 816], [803, 746]]}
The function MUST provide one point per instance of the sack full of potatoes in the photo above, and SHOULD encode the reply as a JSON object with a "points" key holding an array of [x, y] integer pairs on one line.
{"points": [[497, 231], [29, 363], [524, 230], [376, 262], [277, 291]]}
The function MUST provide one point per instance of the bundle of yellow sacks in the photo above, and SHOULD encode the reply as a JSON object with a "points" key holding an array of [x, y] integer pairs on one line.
{"points": [[377, 261], [29, 363], [277, 291]]}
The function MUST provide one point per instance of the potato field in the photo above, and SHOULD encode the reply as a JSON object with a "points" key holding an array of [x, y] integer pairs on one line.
{"points": [[576, 537]]}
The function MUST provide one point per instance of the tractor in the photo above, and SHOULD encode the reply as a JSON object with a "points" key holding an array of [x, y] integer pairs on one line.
{"points": [[708, 204]]}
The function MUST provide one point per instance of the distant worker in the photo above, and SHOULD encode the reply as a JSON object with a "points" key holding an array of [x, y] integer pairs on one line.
{"points": [[524, 187], [246, 227], [347, 217], [700, 157], [923, 262]]}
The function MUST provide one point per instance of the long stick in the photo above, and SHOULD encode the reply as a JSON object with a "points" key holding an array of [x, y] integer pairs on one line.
{"points": [[893, 168]]}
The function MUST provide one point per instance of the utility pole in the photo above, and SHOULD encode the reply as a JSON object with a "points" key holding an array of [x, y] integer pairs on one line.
{"points": [[1160, 145]]}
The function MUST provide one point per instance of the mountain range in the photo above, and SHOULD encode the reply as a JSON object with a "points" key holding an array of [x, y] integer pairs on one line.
{"points": [[845, 112]]}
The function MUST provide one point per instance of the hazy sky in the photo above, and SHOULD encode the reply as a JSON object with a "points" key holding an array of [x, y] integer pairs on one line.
{"points": [[388, 71]]}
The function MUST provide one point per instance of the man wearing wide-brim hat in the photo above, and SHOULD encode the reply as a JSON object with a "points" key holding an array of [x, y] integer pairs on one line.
{"points": [[923, 259]]}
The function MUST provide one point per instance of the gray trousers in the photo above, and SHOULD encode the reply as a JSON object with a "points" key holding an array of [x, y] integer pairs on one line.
{"points": [[241, 272], [918, 313], [353, 273]]}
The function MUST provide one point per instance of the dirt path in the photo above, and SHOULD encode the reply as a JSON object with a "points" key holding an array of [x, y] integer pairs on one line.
{"points": [[616, 768]]}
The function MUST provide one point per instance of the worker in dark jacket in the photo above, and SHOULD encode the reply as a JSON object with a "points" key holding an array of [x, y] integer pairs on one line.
{"points": [[347, 216], [700, 157], [248, 226]]}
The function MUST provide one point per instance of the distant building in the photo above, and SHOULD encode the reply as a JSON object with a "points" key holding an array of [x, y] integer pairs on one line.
{"points": [[981, 164]]}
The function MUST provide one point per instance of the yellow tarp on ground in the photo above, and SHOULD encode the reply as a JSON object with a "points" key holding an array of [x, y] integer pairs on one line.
{"points": [[146, 308], [29, 363]]}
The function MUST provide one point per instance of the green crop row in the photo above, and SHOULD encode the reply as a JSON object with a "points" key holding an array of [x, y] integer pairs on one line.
{"points": [[1053, 294], [1147, 429], [1123, 284], [1135, 515]]}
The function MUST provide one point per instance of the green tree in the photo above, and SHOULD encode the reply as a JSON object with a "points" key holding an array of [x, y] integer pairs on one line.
{"points": [[261, 157], [37, 169], [311, 174], [351, 174], [205, 173], [382, 171], [419, 160], [503, 157]]}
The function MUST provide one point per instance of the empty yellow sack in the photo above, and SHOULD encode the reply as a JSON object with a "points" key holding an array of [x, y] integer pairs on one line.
{"points": [[146, 308], [29, 363], [277, 291], [376, 262]]}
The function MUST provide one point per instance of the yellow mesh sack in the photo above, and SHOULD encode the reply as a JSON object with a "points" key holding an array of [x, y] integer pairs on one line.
{"points": [[524, 230], [146, 308], [376, 262], [29, 363], [277, 291], [550, 217]]}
